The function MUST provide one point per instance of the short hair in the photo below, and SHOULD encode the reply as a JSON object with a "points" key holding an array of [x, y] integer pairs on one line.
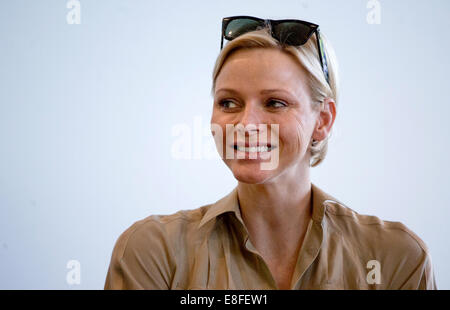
{"points": [[308, 57]]}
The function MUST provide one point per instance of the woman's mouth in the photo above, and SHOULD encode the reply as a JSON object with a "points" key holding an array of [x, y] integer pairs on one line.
{"points": [[260, 151], [253, 149]]}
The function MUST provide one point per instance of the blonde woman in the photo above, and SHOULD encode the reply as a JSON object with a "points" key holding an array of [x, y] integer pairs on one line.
{"points": [[275, 89]]}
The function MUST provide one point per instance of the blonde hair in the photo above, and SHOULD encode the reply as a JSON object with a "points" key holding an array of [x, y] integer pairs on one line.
{"points": [[308, 56]]}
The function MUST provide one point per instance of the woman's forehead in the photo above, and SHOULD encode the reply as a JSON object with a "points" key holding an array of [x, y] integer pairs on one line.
{"points": [[263, 69]]}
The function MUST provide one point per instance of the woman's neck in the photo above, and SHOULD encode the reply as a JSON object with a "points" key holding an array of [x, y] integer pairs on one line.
{"points": [[278, 203]]}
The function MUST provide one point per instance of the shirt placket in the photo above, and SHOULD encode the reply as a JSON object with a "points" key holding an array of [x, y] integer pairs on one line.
{"points": [[309, 251]]}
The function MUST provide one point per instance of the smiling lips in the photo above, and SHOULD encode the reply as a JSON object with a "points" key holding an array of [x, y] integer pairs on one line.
{"points": [[255, 148]]}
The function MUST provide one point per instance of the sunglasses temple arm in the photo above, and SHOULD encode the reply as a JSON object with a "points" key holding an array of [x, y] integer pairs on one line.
{"points": [[319, 50]]}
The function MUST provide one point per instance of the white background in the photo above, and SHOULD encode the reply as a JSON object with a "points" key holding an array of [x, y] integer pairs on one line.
{"points": [[87, 112]]}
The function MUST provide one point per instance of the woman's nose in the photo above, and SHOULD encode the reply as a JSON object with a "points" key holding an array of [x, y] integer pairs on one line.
{"points": [[250, 120], [251, 115]]}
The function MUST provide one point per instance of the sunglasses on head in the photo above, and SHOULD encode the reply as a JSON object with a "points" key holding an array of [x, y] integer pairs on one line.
{"points": [[287, 31]]}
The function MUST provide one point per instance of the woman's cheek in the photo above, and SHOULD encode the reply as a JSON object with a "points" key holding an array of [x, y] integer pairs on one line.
{"points": [[291, 135]]}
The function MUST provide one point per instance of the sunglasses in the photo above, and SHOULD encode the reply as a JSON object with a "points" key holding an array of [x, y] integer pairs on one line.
{"points": [[287, 31]]}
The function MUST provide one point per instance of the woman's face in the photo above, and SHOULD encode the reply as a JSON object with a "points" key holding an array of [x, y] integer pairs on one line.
{"points": [[263, 86]]}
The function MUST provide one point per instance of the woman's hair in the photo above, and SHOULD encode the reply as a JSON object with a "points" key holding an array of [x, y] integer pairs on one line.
{"points": [[308, 57]]}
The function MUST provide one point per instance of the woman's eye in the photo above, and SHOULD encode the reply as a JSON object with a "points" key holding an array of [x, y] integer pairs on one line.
{"points": [[227, 104], [276, 104]]}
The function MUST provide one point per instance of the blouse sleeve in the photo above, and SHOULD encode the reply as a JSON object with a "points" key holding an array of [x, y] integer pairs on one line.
{"points": [[422, 277], [142, 258]]}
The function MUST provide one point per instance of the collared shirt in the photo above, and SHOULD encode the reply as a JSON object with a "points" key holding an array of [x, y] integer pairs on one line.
{"points": [[209, 248]]}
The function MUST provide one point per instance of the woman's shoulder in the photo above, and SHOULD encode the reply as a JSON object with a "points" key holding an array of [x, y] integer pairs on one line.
{"points": [[392, 236], [356, 228], [145, 254], [401, 255], [157, 228]]}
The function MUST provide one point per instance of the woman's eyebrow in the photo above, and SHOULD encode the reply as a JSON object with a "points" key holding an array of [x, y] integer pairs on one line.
{"points": [[266, 91], [262, 92], [227, 90]]}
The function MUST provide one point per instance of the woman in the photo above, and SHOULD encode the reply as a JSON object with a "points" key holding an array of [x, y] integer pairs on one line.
{"points": [[275, 99]]}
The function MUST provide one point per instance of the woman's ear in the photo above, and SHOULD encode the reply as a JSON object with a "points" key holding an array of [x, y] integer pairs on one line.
{"points": [[325, 120]]}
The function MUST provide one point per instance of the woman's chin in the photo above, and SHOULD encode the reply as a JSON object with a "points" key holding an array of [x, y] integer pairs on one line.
{"points": [[251, 176]]}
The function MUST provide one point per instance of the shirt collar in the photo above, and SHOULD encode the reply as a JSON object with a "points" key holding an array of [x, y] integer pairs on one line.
{"points": [[319, 201], [230, 203]]}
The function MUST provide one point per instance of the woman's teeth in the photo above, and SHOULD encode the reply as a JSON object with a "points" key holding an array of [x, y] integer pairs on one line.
{"points": [[253, 149]]}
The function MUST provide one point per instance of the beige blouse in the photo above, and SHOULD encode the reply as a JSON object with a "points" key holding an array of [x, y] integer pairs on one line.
{"points": [[209, 248]]}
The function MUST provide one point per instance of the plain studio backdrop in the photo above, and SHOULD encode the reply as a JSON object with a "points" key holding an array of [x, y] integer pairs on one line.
{"points": [[93, 112]]}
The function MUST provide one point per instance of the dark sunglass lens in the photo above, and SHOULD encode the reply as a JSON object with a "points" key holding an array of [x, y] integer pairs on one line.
{"points": [[240, 26], [292, 33]]}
